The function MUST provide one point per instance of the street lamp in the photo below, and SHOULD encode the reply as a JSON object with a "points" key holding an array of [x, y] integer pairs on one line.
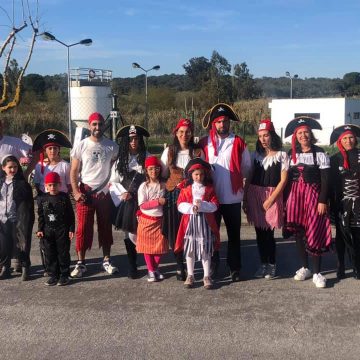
{"points": [[87, 42], [291, 80], [156, 67]]}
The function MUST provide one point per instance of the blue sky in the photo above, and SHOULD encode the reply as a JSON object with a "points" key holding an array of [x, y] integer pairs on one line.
{"points": [[311, 38]]}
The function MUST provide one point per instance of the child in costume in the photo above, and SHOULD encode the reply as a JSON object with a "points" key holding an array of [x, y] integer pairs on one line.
{"points": [[150, 240], [16, 217], [56, 226], [198, 236], [49, 143]]}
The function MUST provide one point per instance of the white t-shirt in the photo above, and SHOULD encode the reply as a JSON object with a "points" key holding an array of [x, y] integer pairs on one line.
{"points": [[95, 158], [221, 169], [13, 146], [62, 168]]}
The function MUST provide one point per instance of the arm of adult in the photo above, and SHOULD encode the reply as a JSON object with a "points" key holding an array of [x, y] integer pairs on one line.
{"points": [[324, 165], [248, 180], [281, 185], [164, 164], [74, 178], [245, 163], [269, 202]]}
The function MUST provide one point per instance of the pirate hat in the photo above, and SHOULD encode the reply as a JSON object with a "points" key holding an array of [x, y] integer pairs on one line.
{"points": [[197, 163], [337, 132], [216, 111], [132, 130], [51, 137], [301, 121]]}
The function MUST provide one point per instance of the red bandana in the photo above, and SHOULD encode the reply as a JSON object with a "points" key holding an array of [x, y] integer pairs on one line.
{"points": [[341, 148]]}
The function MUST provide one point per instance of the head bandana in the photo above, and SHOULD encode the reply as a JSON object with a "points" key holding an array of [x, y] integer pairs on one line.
{"points": [[342, 149]]}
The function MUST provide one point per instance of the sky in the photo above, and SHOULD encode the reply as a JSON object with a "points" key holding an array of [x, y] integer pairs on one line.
{"points": [[311, 38]]}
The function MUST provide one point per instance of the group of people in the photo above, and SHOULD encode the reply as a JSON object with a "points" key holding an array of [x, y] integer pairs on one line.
{"points": [[178, 201]]}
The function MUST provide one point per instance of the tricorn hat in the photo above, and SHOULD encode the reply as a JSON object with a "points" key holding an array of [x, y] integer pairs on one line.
{"points": [[132, 130], [301, 121], [216, 111], [51, 137], [337, 132], [197, 163]]}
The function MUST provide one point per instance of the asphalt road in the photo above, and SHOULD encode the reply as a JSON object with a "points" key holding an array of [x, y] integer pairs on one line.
{"points": [[112, 317]]}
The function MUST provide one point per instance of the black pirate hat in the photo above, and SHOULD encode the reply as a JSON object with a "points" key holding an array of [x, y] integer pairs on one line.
{"points": [[301, 121], [197, 163], [132, 130], [337, 132], [217, 110], [51, 137]]}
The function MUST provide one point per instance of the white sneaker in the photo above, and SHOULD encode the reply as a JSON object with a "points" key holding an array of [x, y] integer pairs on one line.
{"points": [[78, 271], [109, 268], [302, 274], [261, 271], [319, 280], [151, 277], [159, 275]]}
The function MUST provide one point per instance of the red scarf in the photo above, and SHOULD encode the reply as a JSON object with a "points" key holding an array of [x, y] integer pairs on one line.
{"points": [[235, 162]]}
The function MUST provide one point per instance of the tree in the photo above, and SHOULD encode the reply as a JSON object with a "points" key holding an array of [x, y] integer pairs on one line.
{"points": [[198, 70], [352, 83], [220, 81], [244, 85]]}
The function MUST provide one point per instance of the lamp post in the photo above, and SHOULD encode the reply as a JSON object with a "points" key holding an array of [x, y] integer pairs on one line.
{"points": [[291, 80], [156, 67], [87, 42]]}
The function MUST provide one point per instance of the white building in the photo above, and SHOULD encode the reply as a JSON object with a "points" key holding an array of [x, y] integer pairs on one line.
{"points": [[330, 112]]}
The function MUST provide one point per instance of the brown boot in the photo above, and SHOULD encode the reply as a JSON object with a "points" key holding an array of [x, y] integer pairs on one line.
{"points": [[189, 282], [208, 284]]}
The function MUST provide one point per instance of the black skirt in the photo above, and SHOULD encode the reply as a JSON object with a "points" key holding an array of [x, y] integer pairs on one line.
{"points": [[171, 217], [124, 216]]}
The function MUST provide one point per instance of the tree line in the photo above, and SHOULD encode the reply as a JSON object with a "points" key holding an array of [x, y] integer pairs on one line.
{"points": [[205, 82]]}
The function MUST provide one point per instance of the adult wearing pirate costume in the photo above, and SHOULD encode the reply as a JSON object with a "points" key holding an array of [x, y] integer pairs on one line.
{"points": [[263, 199], [127, 174], [306, 198], [230, 160], [92, 159], [174, 160], [49, 142], [345, 196]]}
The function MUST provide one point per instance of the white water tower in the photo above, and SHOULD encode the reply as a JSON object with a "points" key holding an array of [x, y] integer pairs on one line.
{"points": [[90, 91]]}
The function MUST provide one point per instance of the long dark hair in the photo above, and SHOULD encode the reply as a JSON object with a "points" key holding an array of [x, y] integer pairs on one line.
{"points": [[176, 148], [207, 178], [19, 174], [275, 143], [123, 155]]}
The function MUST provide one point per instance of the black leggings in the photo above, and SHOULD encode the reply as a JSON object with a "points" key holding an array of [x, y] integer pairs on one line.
{"points": [[316, 260], [266, 245]]}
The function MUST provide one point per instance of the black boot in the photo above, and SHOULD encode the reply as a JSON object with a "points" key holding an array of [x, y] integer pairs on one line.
{"points": [[132, 255], [215, 263], [340, 273], [25, 273], [180, 271], [5, 273]]}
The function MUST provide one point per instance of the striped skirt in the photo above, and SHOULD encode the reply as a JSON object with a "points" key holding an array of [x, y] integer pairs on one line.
{"points": [[199, 239], [302, 217], [257, 216], [150, 239]]}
